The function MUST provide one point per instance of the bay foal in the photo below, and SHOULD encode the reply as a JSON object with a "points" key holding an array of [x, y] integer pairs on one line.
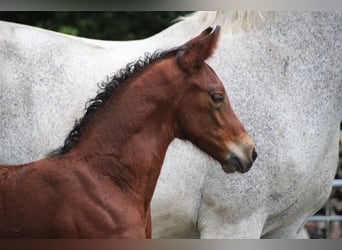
{"points": [[100, 183]]}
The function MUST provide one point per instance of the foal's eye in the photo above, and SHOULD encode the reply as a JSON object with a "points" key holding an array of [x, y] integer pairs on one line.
{"points": [[217, 97]]}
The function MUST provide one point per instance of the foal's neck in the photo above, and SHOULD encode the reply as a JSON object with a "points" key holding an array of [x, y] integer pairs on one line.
{"points": [[128, 137]]}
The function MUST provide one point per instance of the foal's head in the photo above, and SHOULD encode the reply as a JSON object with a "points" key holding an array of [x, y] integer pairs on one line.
{"points": [[204, 114]]}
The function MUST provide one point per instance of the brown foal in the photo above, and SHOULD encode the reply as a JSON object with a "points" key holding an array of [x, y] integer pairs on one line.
{"points": [[100, 183]]}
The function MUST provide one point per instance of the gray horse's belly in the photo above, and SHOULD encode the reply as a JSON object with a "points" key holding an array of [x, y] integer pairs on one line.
{"points": [[177, 197], [306, 186]]}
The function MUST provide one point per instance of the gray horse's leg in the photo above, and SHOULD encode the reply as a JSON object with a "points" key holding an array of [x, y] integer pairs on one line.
{"points": [[293, 230], [215, 226]]}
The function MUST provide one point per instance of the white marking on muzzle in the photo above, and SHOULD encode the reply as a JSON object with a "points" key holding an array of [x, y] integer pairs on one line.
{"points": [[239, 150]]}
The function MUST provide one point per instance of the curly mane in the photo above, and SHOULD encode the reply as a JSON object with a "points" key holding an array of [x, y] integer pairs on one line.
{"points": [[106, 90]]}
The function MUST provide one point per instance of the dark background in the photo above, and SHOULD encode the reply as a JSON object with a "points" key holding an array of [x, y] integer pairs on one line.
{"points": [[104, 25]]}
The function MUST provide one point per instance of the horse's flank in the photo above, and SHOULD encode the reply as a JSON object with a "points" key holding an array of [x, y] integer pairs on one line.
{"points": [[287, 77]]}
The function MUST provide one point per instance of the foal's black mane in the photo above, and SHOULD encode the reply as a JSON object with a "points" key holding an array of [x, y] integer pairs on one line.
{"points": [[106, 89]]}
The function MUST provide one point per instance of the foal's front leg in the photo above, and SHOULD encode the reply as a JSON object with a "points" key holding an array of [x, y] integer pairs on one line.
{"points": [[148, 225]]}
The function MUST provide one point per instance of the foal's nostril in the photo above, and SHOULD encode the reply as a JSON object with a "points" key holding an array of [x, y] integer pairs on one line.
{"points": [[254, 155]]}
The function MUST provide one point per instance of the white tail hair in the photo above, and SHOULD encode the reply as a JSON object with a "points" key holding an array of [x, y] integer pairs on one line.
{"points": [[230, 21]]}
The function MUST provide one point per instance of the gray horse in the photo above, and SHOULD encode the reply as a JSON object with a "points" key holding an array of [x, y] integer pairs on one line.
{"points": [[284, 75]]}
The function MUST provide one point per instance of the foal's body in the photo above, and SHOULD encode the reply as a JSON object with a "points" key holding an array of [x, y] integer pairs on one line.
{"points": [[100, 183], [63, 192], [69, 196]]}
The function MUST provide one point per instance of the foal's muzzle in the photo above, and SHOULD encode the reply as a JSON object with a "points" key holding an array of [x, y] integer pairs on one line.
{"points": [[240, 164]]}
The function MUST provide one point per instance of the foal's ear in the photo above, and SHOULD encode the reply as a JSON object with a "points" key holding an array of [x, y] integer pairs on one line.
{"points": [[193, 53]]}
